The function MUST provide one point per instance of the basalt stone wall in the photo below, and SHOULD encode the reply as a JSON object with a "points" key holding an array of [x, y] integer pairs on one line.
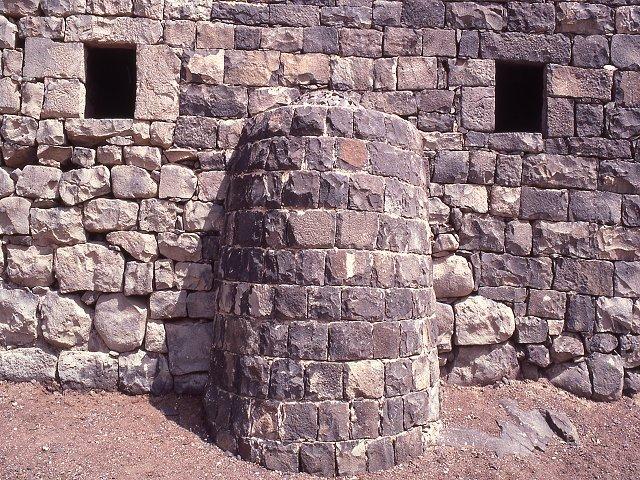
{"points": [[535, 235], [325, 357]]}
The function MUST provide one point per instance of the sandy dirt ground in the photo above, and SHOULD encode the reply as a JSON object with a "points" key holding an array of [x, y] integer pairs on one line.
{"points": [[50, 435]]}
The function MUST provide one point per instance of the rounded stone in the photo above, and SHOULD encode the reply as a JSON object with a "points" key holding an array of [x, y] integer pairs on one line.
{"points": [[121, 321], [452, 277], [481, 321]]}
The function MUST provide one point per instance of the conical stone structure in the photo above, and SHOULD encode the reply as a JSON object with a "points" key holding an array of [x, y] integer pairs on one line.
{"points": [[324, 358]]}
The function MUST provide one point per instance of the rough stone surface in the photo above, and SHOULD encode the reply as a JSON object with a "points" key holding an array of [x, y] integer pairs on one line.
{"points": [[484, 365], [120, 321], [481, 321], [240, 186], [66, 321], [88, 370]]}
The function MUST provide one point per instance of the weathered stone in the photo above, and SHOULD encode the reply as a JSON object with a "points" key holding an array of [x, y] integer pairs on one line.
{"points": [[27, 364], [18, 322], [364, 379], [584, 18], [148, 158], [63, 98], [566, 347], [66, 321], [46, 58], [625, 51], [452, 277], [573, 377], [88, 370], [250, 68], [616, 315], [481, 321], [113, 30], [520, 46], [141, 246], [14, 216], [30, 266], [88, 266], [120, 321], [58, 226], [39, 182], [484, 365], [591, 277], [189, 344], [130, 182], [607, 373], [140, 372], [105, 214], [80, 185]]}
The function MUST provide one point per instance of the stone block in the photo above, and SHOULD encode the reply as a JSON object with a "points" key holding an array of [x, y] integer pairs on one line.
{"points": [[305, 69], [79, 185], [484, 365], [189, 345], [591, 51], [249, 68], [38, 182], [467, 15], [625, 51], [44, 57], [104, 214], [531, 330], [120, 321], [584, 18], [28, 364], [590, 277], [18, 325], [364, 379], [9, 96], [543, 204], [88, 370], [564, 81], [423, 13], [531, 17], [565, 347], [478, 108], [141, 373], [177, 182], [417, 73], [88, 266], [518, 46], [113, 30], [481, 321], [318, 459], [58, 226], [572, 377], [201, 100], [607, 372], [452, 277], [63, 98], [29, 266], [14, 216]]}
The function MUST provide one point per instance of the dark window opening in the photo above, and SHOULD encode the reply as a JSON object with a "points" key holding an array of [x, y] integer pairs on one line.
{"points": [[111, 82], [519, 97]]}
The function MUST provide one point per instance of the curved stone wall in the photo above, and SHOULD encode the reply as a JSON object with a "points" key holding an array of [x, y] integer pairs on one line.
{"points": [[324, 358]]}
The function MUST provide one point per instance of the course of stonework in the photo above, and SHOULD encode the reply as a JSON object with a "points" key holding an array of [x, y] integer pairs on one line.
{"points": [[233, 207], [325, 356]]}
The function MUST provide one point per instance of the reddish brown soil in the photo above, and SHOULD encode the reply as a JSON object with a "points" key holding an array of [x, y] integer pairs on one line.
{"points": [[49, 435]]}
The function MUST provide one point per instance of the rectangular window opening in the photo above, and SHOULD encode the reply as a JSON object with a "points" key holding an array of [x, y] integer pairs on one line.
{"points": [[111, 82], [519, 97]]}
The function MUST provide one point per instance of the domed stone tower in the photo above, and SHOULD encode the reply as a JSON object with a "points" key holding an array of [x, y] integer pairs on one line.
{"points": [[324, 358]]}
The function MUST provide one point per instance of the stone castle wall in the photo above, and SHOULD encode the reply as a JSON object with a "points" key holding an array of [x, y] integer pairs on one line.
{"points": [[111, 229]]}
